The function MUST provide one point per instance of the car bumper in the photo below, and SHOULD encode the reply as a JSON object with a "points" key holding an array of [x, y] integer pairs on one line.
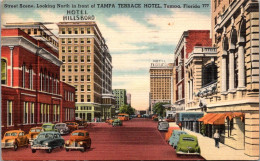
{"points": [[40, 147], [7, 147], [74, 147], [187, 153], [64, 132]]}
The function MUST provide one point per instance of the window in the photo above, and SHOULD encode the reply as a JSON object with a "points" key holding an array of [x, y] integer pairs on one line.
{"points": [[63, 78], [88, 98], [69, 68], [35, 31], [63, 68], [9, 113], [75, 59], [76, 68], [69, 49], [29, 31], [76, 88], [88, 58], [88, 88], [82, 30], [69, 31], [75, 40], [75, 49], [63, 40], [76, 31], [82, 59], [76, 98], [88, 78], [69, 41], [88, 68], [48, 113], [75, 78], [3, 71], [82, 68], [62, 30], [82, 88], [25, 113], [63, 49], [88, 30], [70, 78], [69, 59], [81, 98], [82, 49], [54, 113], [82, 40], [63, 59], [23, 76], [88, 40], [88, 48], [82, 78]]}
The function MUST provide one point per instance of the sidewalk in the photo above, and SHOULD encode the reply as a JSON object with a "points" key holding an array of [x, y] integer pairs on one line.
{"points": [[210, 152]]}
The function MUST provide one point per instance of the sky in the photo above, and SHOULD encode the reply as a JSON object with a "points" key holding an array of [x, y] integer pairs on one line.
{"points": [[135, 36]]}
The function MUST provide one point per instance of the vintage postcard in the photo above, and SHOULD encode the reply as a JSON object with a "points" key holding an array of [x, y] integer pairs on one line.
{"points": [[129, 80]]}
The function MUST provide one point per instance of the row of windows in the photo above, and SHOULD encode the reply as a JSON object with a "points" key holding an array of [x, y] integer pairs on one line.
{"points": [[84, 108], [75, 40], [81, 30], [45, 113], [82, 88], [82, 59], [68, 96], [83, 99], [82, 68], [69, 114], [48, 83], [28, 112], [76, 78], [76, 49]]}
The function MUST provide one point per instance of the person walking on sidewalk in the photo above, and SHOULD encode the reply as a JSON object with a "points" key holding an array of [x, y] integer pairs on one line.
{"points": [[217, 138]]}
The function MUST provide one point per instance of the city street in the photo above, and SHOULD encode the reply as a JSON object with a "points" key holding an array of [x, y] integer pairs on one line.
{"points": [[137, 139]]}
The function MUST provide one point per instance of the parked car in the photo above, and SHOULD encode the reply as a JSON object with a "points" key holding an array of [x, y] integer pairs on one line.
{"points": [[62, 128], [188, 145], [170, 119], [169, 133], [47, 141], [14, 139], [49, 127], [72, 126], [117, 122], [82, 123], [33, 133], [79, 139], [173, 141], [109, 121], [163, 126]]}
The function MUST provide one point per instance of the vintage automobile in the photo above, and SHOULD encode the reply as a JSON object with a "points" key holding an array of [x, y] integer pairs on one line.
{"points": [[47, 141], [188, 145], [169, 133], [117, 122], [109, 121], [49, 127], [33, 133], [14, 139], [163, 126], [62, 128], [72, 126], [79, 140], [173, 141]]}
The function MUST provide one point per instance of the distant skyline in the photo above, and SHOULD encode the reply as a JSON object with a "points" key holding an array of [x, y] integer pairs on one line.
{"points": [[135, 36]]}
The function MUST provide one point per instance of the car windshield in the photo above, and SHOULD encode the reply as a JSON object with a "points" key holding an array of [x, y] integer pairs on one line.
{"points": [[47, 126], [11, 134], [77, 134], [60, 125], [70, 123], [188, 139], [45, 136]]}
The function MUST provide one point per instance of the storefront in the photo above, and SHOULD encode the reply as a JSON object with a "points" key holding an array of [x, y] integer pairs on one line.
{"points": [[189, 120]]}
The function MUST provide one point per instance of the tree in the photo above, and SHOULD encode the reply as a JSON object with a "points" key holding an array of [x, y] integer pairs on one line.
{"points": [[159, 109], [127, 109]]}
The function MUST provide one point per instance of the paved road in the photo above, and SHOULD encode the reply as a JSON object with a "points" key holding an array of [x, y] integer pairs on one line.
{"points": [[137, 139]]}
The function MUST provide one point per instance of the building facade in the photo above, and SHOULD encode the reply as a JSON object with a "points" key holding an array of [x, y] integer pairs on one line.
{"points": [[31, 90], [87, 66], [160, 82], [120, 95], [128, 98], [235, 34], [185, 46]]}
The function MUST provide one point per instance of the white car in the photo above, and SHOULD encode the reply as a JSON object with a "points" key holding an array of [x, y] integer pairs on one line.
{"points": [[163, 126]]}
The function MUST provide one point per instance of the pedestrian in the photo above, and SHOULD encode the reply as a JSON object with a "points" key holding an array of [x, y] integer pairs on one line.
{"points": [[217, 138]]}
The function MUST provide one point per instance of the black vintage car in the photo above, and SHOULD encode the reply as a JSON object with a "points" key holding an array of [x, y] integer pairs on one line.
{"points": [[47, 141]]}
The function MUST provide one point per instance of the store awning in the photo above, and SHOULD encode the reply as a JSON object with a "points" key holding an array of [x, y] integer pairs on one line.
{"points": [[206, 116], [235, 114], [205, 121], [218, 119]]}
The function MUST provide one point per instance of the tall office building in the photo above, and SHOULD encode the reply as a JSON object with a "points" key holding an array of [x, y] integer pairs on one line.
{"points": [[121, 99], [128, 98], [87, 66], [160, 82]]}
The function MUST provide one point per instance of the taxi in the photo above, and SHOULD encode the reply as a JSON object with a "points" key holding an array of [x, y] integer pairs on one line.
{"points": [[14, 139], [79, 140]]}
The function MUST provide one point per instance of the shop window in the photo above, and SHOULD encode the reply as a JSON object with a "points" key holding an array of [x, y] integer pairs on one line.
{"points": [[3, 71]]}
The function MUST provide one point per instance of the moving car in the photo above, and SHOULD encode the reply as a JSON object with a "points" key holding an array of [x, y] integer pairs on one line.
{"points": [[188, 145], [72, 126], [62, 128], [117, 122], [14, 139], [33, 133], [79, 139], [49, 127], [123, 117], [169, 133], [173, 141], [47, 141], [163, 126]]}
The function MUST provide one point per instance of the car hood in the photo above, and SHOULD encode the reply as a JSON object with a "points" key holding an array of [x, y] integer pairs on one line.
{"points": [[6, 138], [41, 141], [76, 138]]}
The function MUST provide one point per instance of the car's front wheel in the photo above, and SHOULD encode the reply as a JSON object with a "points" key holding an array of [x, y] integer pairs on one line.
{"points": [[48, 150], [15, 146], [33, 150]]}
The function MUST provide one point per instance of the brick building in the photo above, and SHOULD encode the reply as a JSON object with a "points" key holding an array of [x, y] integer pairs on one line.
{"points": [[31, 90]]}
